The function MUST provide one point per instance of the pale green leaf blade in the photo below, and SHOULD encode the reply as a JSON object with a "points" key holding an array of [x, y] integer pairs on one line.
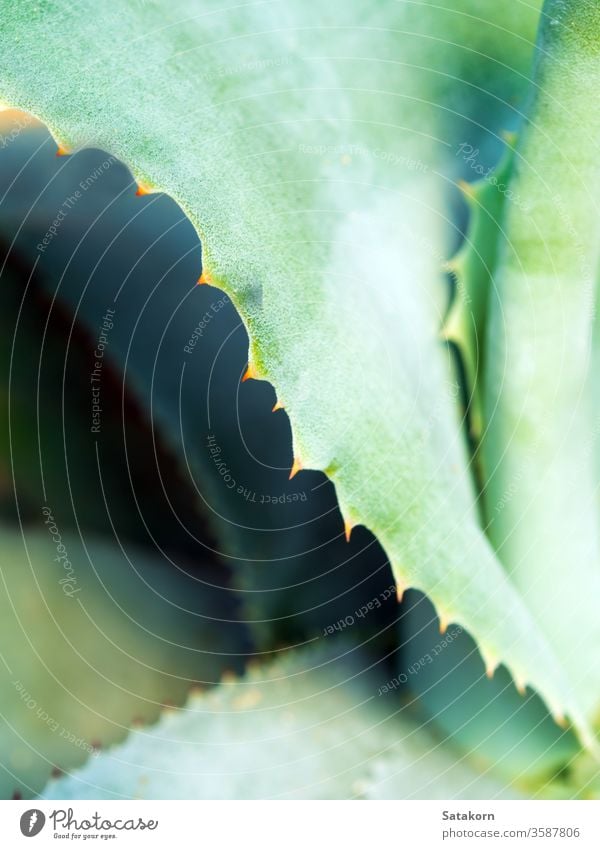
{"points": [[94, 638], [307, 725], [275, 135], [541, 493]]}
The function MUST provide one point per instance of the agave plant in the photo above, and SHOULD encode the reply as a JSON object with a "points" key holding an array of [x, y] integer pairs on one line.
{"points": [[390, 587]]}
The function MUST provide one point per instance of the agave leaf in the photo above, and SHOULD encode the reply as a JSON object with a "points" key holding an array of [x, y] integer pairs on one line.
{"points": [[305, 726], [480, 711], [180, 350], [473, 267], [329, 253], [419, 767], [93, 639], [541, 497]]}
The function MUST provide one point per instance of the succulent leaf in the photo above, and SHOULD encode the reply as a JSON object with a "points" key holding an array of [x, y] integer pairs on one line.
{"points": [[329, 254], [94, 639], [178, 350], [303, 726], [473, 268], [499, 727], [541, 499]]}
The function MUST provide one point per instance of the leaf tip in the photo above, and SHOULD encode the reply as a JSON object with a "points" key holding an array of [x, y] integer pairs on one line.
{"points": [[490, 668], [450, 266], [228, 676], [510, 137], [520, 684], [467, 189], [560, 719], [348, 525]]}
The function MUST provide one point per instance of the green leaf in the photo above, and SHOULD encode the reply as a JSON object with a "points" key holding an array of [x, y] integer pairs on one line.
{"points": [[305, 149], [473, 267], [498, 728], [94, 638], [304, 726], [420, 768], [179, 350], [541, 492]]}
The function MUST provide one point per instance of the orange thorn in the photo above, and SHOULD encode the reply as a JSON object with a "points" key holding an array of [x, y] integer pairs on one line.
{"points": [[278, 406], [142, 190], [228, 676], [520, 685], [249, 374], [466, 188], [61, 151], [560, 719], [347, 529], [452, 265], [204, 279], [296, 467], [490, 668], [400, 590], [443, 623], [510, 137]]}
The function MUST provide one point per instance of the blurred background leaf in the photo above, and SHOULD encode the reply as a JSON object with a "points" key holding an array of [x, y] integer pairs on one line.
{"points": [[94, 638], [305, 726]]}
